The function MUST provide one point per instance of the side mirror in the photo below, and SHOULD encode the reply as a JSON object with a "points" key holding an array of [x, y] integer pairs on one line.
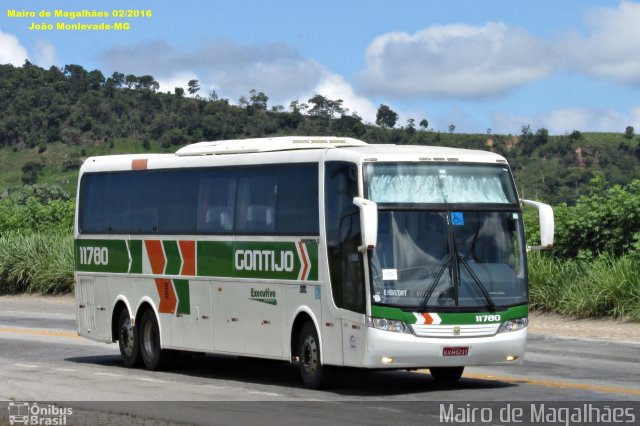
{"points": [[368, 222], [547, 225]]}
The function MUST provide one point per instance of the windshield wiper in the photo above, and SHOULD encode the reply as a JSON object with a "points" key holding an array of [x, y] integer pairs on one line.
{"points": [[443, 266], [476, 280]]}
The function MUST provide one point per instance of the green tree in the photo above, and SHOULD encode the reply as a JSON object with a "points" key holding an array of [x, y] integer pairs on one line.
{"points": [[131, 81], [386, 117], [629, 132], [31, 171], [576, 135], [411, 126], [258, 101], [325, 108], [147, 82], [193, 87]]}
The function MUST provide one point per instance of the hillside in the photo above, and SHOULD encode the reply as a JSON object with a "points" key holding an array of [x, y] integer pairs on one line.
{"points": [[50, 120]]}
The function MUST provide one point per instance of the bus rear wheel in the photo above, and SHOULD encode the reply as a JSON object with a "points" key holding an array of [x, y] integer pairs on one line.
{"points": [[128, 340], [311, 369], [446, 374], [153, 356]]}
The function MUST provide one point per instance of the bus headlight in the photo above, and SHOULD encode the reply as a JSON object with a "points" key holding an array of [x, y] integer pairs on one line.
{"points": [[388, 325], [514, 325]]}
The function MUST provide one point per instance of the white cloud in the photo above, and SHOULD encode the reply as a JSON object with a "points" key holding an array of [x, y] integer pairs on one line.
{"points": [[455, 60], [566, 120], [178, 79], [334, 86], [610, 49], [233, 68], [45, 54], [466, 61], [11, 51]]}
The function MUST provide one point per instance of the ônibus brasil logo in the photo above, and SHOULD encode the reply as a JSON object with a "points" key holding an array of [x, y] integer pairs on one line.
{"points": [[28, 413]]}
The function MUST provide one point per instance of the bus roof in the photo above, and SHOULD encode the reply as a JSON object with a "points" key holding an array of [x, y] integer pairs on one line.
{"points": [[283, 143], [286, 149]]}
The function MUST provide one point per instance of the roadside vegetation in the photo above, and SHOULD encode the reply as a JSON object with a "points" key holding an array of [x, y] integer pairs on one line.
{"points": [[36, 241], [52, 120], [594, 268]]}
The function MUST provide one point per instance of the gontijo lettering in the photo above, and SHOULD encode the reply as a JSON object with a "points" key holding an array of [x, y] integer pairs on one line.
{"points": [[264, 260]]}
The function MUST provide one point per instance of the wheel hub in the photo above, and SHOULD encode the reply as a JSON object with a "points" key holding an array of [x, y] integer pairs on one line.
{"points": [[126, 337], [309, 356]]}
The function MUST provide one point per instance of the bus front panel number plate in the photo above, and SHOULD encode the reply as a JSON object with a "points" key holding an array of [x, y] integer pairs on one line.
{"points": [[455, 351]]}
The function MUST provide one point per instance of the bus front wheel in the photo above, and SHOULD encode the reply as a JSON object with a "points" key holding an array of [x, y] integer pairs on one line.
{"points": [[128, 340], [446, 374], [311, 369], [153, 356]]}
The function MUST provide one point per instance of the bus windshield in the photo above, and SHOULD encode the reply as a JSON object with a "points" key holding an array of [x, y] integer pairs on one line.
{"points": [[447, 260], [450, 236], [425, 183]]}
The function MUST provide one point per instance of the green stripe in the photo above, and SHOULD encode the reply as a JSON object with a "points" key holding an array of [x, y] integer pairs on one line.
{"points": [[90, 256], [213, 258], [240, 259], [450, 318], [135, 247], [182, 290], [172, 254]]}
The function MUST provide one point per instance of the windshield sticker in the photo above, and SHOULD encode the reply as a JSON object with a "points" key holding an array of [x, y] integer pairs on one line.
{"points": [[395, 293], [376, 298], [389, 275], [457, 218], [515, 215]]}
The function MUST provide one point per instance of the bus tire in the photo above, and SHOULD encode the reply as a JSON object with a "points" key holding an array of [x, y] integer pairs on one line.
{"points": [[312, 371], [446, 374], [128, 341], [154, 357]]}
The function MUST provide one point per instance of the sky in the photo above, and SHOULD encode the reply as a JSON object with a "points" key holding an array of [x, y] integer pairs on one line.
{"points": [[483, 66]]}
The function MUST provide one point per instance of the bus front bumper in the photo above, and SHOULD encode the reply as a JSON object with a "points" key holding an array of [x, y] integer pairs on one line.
{"points": [[392, 350]]}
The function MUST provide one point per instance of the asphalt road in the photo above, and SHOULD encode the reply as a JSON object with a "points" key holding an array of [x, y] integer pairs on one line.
{"points": [[42, 359]]}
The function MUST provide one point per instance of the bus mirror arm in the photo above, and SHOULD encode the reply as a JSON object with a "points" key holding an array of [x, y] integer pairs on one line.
{"points": [[368, 222], [545, 213]]}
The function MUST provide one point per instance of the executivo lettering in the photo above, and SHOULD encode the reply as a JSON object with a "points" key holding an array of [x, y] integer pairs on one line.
{"points": [[265, 296]]}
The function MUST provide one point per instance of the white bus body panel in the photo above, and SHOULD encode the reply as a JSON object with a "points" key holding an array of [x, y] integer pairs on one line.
{"points": [[409, 351]]}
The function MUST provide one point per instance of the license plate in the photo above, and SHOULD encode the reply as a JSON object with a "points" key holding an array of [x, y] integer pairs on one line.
{"points": [[456, 351]]}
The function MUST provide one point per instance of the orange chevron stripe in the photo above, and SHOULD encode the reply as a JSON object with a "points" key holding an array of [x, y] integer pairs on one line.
{"points": [[188, 252], [168, 299], [427, 318], [305, 269], [156, 256]]}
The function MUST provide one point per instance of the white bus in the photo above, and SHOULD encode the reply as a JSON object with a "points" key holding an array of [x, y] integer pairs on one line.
{"points": [[321, 251]]}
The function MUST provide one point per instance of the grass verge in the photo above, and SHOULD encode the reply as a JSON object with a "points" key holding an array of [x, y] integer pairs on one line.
{"points": [[607, 286], [36, 263]]}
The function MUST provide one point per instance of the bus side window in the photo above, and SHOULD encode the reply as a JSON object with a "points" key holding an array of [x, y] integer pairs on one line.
{"points": [[257, 191], [217, 201]]}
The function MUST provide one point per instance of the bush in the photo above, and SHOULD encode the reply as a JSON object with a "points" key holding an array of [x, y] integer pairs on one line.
{"points": [[36, 263], [606, 221], [42, 208], [604, 286]]}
